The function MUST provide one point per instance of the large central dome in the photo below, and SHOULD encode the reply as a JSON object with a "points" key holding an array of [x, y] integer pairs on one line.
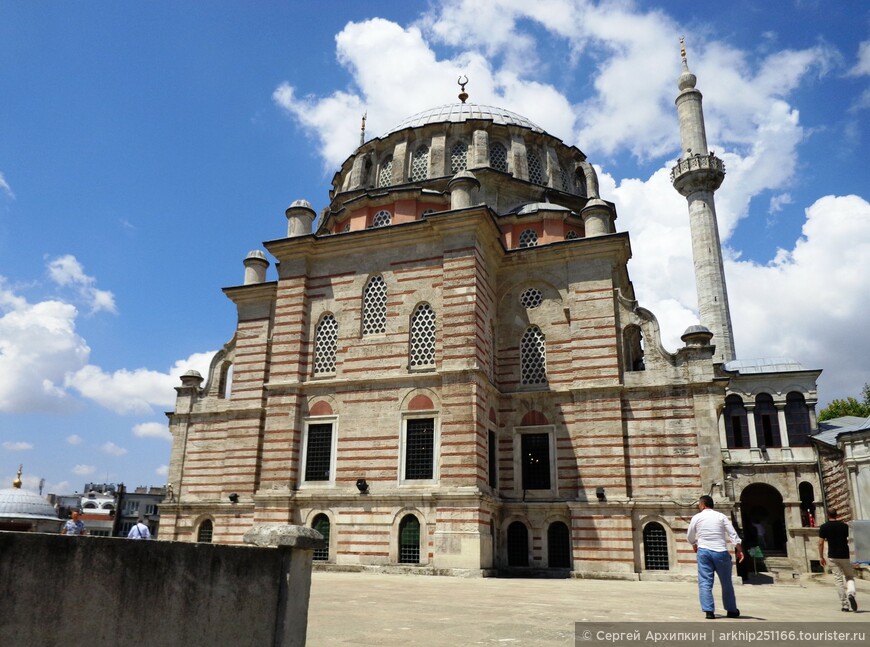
{"points": [[459, 112]]}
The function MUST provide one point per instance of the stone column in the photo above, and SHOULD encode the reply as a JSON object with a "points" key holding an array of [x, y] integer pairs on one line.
{"points": [[750, 425], [783, 426]]}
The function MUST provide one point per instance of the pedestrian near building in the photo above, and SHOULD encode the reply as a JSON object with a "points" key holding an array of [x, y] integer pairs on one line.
{"points": [[709, 534], [140, 530], [836, 533], [74, 525]]}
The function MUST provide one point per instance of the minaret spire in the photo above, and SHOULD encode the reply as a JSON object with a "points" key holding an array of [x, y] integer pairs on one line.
{"points": [[697, 175]]}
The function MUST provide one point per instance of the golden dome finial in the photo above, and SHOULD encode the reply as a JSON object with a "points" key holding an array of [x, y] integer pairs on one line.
{"points": [[463, 95], [17, 482]]}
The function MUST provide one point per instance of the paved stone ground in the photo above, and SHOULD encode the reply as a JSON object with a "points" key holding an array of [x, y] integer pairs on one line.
{"points": [[375, 609]]}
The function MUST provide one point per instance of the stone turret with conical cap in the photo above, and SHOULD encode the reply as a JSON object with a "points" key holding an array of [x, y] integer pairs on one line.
{"points": [[697, 175]]}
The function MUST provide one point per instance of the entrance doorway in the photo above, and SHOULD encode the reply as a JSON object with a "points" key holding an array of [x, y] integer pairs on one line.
{"points": [[763, 519]]}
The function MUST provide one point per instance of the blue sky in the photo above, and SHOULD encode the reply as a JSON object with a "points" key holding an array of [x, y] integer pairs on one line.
{"points": [[146, 149]]}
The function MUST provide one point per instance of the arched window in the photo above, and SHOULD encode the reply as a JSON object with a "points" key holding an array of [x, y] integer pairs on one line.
{"points": [[325, 342], [518, 544], [321, 525], [571, 235], [381, 219], [655, 547], [565, 177], [385, 175], [536, 169], [533, 357], [558, 545], [374, 306], [225, 383], [420, 164], [736, 429], [90, 505], [529, 238], [531, 298], [422, 339], [797, 419], [498, 157], [458, 157], [205, 532], [428, 212], [766, 422], [808, 504], [632, 344], [409, 540]]}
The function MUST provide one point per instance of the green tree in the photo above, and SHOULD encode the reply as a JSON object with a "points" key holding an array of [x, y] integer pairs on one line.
{"points": [[848, 407]]}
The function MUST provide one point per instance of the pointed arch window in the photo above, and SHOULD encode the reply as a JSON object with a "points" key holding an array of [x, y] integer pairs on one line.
{"points": [[374, 306], [325, 343], [498, 157], [533, 357], [409, 540], [655, 547], [536, 169], [458, 157], [420, 164], [321, 524], [385, 175], [529, 238], [422, 339]]}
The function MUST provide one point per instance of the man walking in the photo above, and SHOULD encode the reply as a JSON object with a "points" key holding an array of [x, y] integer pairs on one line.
{"points": [[140, 530], [836, 533], [709, 533]]}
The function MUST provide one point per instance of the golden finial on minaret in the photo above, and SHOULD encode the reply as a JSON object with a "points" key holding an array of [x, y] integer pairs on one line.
{"points": [[362, 129], [463, 95], [17, 482]]}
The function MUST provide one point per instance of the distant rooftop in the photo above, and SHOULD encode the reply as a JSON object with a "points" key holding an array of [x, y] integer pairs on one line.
{"points": [[830, 430], [459, 112], [764, 365]]}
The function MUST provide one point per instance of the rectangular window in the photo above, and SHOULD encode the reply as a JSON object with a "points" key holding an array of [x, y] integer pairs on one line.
{"points": [[131, 507], [493, 460], [535, 459], [318, 452], [150, 509], [419, 448]]}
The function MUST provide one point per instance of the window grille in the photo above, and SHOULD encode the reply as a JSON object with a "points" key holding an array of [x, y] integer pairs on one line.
{"points": [[420, 164], [458, 157], [558, 545], [529, 238], [325, 342], [518, 544], [375, 306], [566, 180], [419, 448], [535, 454], [205, 532], [531, 298], [382, 219], [571, 235], [498, 157], [409, 540], [533, 357], [655, 547], [318, 452], [536, 170], [321, 525], [422, 346], [385, 176]]}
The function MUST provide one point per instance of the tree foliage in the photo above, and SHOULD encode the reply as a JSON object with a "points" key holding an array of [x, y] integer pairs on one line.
{"points": [[848, 407]]}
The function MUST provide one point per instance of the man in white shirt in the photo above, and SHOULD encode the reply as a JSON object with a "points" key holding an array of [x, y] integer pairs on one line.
{"points": [[709, 533], [139, 531]]}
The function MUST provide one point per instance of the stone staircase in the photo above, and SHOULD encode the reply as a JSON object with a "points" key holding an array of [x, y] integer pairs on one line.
{"points": [[781, 570]]}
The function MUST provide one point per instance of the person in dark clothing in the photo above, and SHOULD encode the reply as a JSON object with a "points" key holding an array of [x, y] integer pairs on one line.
{"points": [[836, 533]]}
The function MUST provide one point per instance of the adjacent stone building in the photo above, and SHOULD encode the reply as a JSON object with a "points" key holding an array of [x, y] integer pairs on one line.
{"points": [[452, 373]]}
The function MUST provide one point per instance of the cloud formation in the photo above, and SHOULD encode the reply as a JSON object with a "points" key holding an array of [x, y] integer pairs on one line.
{"points": [[5, 188], [152, 430], [66, 271], [17, 446]]}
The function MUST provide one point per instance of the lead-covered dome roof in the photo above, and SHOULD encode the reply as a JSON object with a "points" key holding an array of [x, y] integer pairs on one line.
{"points": [[16, 503], [459, 112]]}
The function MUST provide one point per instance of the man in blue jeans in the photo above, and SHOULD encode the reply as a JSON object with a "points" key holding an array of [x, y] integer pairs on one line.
{"points": [[709, 534]]}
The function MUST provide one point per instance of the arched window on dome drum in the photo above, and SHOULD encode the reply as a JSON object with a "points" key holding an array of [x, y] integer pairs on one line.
{"points": [[536, 169], [736, 428], [797, 419], [409, 540], [325, 342], [766, 422], [420, 164], [565, 178], [458, 157], [498, 157], [422, 338], [381, 219], [205, 532], [321, 525], [558, 545], [374, 306], [385, 175], [533, 357], [518, 544], [529, 238], [655, 547]]}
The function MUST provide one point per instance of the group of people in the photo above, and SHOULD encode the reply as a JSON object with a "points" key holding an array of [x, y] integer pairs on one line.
{"points": [[710, 532], [75, 526]]}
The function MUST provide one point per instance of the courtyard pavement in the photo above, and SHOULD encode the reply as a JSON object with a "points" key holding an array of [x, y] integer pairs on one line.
{"points": [[381, 609]]}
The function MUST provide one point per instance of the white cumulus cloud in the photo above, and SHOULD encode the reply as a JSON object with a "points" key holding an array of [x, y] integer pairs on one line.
{"points": [[19, 446], [75, 439], [163, 470], [83, 470], [152, 430], [113, 449], [66, 271]]}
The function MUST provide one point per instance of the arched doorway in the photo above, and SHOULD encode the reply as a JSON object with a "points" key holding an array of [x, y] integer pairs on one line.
{"points": [[558, 545], [763, 519], [518, 544]]}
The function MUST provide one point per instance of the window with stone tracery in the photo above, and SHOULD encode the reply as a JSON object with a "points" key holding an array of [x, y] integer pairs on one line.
{"points": [[374, 318], [498, 157], [420, 164], [385, 175], [533, 357], [529, 238], [325, 343], [536, 170], [566, 180], [382, 219], [458, 157], [422, 341], [531, 298]]}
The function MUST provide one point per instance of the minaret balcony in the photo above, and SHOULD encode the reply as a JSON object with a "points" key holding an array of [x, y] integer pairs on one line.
{"points": [[698, 173]]}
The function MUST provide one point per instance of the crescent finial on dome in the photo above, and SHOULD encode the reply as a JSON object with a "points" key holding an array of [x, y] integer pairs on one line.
{"points": [[463, 95]]}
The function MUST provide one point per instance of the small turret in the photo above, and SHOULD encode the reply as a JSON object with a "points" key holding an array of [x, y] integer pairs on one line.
{"points": [[300, 217], [255, 267]]}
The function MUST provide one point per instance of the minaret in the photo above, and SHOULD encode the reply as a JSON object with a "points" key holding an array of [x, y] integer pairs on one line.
{"points": [[697, 175]]}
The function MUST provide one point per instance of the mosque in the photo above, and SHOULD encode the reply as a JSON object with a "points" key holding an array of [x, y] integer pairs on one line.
{"points": [[452, 374]]}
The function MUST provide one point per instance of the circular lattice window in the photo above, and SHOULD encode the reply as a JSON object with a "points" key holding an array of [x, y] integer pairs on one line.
{"points": [[529, 238], [382, 219], [531, 298]]}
